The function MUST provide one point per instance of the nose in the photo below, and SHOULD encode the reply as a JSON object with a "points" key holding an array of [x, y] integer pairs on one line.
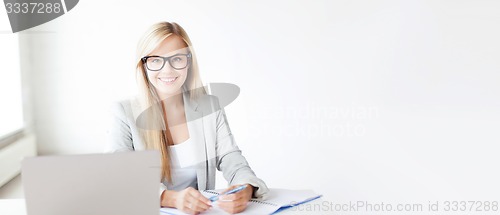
{"points": [[167, 68]]}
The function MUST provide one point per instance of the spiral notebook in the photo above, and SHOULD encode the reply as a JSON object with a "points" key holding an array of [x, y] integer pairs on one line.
{"points": [[276, 200]]}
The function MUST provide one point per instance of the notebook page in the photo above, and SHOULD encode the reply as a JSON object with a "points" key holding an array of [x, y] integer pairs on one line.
{"points": [[172, 211], [284, 197], [259, 207], [206, 193], [253, 207]]}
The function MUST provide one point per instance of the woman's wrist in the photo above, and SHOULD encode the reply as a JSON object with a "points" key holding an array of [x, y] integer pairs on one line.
{"points": [[168, 198]]}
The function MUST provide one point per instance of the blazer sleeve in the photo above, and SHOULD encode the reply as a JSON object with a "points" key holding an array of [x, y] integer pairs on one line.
{"points": [[230, 160], [120, 134]]}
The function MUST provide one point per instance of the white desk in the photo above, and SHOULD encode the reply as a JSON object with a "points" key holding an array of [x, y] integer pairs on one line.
{"points": [[12, 206], [17, 207]]}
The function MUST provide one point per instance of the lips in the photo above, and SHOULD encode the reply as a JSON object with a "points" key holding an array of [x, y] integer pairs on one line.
{"points": [[168, 80]]}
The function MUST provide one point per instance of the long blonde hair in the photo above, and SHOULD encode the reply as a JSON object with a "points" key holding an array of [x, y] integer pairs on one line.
{"points": [[149, 99]]}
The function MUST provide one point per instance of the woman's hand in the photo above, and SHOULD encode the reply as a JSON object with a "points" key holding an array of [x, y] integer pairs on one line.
{"points": [[189, 200], [236, 202]]}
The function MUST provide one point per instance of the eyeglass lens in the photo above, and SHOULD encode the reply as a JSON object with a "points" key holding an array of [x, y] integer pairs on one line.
{"points": [[176, 61]]}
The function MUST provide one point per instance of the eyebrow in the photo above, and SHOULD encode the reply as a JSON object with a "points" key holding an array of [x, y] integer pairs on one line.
{"points": [[172, 53], [153, 55]]}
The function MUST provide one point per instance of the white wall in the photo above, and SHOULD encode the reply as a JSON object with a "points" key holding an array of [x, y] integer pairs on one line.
{"points": [[382, 100]]}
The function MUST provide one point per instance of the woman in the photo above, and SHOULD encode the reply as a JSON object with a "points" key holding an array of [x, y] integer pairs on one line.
{"points": [[172, 108]]}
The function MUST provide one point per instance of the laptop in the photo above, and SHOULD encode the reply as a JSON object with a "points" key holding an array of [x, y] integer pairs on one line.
{"points": [[123, 183]]}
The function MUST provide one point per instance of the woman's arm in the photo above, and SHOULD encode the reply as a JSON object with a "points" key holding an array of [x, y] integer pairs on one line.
{"points": [[120, 135], [120, 139], [119, 132], [230, 160]]}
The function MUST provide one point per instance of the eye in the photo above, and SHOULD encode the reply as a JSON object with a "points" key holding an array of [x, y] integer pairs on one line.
{"points": [[177, 59], [155, 61]]}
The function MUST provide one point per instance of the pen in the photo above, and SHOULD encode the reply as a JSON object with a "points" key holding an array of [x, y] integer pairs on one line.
{"points": [[235, 190]]}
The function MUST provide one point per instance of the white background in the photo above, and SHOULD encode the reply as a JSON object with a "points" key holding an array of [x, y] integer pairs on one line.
{"points": [[357, 100], [11, 112]]}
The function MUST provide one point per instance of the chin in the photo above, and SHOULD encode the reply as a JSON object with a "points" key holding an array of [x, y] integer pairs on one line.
{"points": [[169, 91], [165, 91]]}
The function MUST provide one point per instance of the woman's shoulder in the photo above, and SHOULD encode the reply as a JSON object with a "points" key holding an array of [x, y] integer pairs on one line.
{"points": [[124, 106]]}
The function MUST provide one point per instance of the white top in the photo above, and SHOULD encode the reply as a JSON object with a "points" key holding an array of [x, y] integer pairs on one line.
{"points": [[183, 162]]}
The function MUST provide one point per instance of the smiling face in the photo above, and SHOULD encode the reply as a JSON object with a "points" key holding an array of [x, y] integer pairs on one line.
{"points": [[168, 81]]}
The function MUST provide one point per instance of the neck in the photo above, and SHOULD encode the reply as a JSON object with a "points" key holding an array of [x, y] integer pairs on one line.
{"points": [[173, 101]]}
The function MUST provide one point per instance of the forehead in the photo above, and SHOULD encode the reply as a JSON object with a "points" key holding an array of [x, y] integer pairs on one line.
{"points": [[173, 44]]}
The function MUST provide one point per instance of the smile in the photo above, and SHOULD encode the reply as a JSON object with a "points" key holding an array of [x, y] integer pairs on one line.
{"points": [[168, 80]]}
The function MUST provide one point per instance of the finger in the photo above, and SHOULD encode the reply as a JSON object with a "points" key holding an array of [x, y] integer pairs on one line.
{"points": [[204, 199], [197, 196], [242, 195], [189, 199], [231, 204], [187, 210], [230, 188], [239, 195], [200, 206], [228, 209], [198, 203], [229, 197], [193, 207]]}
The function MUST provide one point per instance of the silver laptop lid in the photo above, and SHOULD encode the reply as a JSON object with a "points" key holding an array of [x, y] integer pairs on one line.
{"points": [[124, 183]]}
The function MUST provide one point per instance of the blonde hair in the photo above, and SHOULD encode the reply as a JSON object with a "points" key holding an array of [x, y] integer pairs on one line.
{"points": [[149, 99]]}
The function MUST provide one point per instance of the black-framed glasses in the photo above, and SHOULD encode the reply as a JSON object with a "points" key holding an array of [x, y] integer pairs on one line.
{"points": [[177, 61]]}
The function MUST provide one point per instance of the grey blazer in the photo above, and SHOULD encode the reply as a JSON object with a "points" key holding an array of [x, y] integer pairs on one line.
{"points": [[208, 128]]}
